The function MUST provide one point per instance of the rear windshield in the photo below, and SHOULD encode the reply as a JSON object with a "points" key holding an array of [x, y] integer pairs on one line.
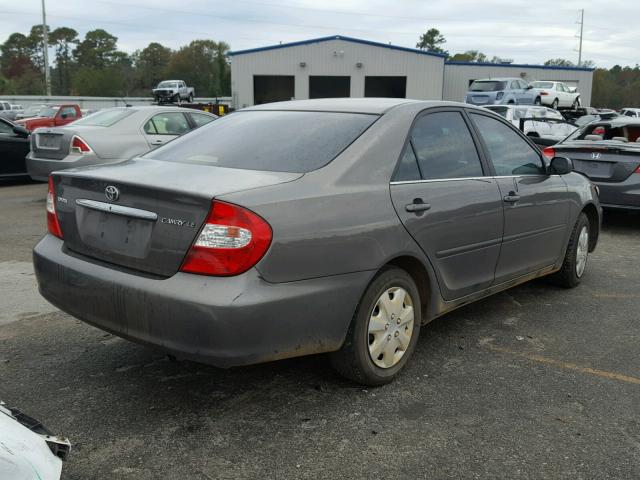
{"points": [[105, 118], [542, 84], [502, 111], [487, 86], [277, 141], [48, 112], [597, 132]]}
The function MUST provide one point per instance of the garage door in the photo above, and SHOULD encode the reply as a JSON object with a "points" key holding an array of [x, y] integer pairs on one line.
{"points": [[273, 88], [329, 87], [392, 87]]}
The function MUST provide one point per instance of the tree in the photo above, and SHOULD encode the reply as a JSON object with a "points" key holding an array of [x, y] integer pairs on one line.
{"points": [[97, 50], [202, 64], [151, 64], [431, 41], [63, 39], [469, 56], [15, 60], [559, 62]]}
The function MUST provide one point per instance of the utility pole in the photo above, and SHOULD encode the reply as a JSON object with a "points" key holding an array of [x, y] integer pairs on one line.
{"points": [[581, 31], [47, 79]]}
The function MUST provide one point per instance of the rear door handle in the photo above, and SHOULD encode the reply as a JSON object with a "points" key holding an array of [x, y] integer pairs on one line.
{"points": [[512, 197], [417, 206]]}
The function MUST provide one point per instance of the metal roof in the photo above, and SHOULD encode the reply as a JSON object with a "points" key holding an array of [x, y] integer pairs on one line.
{"points": [[518, 65], [337, 37]]}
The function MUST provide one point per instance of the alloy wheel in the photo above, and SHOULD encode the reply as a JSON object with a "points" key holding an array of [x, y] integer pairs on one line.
{"points": [[582, 251]]}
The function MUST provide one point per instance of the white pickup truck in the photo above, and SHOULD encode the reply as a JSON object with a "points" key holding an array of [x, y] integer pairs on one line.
{"points": [[551, 126], [173, 91]]}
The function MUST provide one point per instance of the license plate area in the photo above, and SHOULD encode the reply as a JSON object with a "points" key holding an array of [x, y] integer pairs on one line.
{"points": [[593, 169], [49, 141], [107, 234]]}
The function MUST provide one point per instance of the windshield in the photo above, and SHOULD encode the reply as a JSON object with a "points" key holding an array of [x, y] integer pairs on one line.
{"points": [[277, 141], [105, 118], [48, 112], [33, 110], [167, 85], [487, 86], [542, 84]]}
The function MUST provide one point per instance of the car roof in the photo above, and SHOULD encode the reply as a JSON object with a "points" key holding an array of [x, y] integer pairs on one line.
{"points": [[497, 79], [369, 105], [157, 108]]}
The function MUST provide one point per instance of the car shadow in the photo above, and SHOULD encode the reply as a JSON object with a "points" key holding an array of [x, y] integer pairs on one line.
{"points": [[615, 221]]}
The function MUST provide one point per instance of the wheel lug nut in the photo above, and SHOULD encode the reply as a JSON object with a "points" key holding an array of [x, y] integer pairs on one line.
{"points": [[388, 337], [386, 326], [396, 334], [398, 321]]}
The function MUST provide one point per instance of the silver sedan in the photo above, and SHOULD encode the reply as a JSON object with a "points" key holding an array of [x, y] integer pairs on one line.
{"points": [[109, 136]]}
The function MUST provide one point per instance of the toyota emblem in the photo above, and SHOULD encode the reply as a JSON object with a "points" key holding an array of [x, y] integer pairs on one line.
{"points": [[112, 193]]}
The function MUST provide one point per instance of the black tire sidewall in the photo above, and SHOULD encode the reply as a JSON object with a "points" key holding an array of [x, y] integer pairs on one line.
{"points": [[394, 277]]}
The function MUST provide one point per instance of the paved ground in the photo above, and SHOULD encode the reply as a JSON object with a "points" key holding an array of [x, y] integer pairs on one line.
{"points": [[534, 383]]}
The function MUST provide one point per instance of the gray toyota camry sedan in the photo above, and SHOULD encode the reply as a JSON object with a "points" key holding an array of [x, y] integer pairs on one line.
{"points": [[336, 225]]}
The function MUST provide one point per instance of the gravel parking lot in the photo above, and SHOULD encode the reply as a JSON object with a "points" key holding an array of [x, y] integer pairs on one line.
{"points": [[536, 382]]}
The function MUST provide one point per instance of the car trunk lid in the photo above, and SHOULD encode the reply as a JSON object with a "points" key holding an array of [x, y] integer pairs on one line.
{"points": [[51, 143], [601, 162], [145, 214]]}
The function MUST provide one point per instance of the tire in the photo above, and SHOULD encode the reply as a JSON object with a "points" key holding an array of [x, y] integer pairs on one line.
{"points": [[176, 99], [511, 102], [576, 103], [537, 101], [191, 98], [555, 104], [355, 359], [572, 271]]}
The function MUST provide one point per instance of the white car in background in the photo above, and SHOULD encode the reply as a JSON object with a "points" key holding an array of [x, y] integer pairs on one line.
{"points": [[630, 112], [557, 94], [557, 129]]}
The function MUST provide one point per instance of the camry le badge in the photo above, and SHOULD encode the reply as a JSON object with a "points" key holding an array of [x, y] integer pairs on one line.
{"points": [[595, 155], [112, 193]]}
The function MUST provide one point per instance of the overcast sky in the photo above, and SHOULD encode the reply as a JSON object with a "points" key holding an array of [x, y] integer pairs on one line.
{"points": [[527, 31]]}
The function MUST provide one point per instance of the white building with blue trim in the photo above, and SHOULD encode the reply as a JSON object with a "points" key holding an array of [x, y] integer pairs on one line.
{"points": [[339, 66]]}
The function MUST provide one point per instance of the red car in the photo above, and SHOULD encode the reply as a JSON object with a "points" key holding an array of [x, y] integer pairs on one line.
{"points": [[52, 116]]}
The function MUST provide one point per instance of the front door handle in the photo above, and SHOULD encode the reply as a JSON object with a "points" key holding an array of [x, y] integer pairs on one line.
{"points": [[157, 142], [513, 197], [417, 206]]}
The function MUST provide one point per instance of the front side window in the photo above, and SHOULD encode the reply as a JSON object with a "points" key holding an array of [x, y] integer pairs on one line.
{"points": [[444, 147], [5, 128], [172, 123], [68, 112], [509, 152]]}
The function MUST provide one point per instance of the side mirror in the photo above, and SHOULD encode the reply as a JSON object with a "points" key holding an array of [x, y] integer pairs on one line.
{"points": [[21, 131], [529, 87], [560, 166]]}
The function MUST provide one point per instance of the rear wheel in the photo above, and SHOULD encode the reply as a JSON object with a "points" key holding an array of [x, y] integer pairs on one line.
{"points": [[384, 330], [538, 101], [575, 258]]}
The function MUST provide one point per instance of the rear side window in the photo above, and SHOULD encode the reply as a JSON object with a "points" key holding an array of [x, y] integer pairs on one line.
{"points": [[408, 166], [105, 118], [277, 141], [167, 124], [201, 119], [444, 147], [509, 152]]}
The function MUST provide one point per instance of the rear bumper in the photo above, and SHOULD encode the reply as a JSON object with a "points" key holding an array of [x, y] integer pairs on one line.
{"points": [[40, 168], [221, 321], [622, 195]]}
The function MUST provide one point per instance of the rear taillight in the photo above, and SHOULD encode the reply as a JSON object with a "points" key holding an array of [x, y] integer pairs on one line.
{"points": [[79, 146], [231, 241], [52, 218], [544, 93], [637, 170], [549, 152]]}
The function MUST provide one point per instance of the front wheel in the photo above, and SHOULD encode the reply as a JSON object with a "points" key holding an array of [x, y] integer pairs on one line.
{"points": [[555, 103], [576, 103], [575, 258], [537, 101], [191, 98], [384, 330]]}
